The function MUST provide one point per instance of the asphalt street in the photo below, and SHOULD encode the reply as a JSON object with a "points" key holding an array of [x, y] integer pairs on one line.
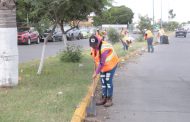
{"points": [[154, 87], [33, 51]]}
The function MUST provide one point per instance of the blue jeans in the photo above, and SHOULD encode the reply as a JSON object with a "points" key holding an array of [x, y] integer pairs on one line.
{"points": [[107, 83], [125, 46], [150, 45]]}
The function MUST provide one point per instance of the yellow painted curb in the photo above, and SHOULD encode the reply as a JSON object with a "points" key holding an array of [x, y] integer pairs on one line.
{"points": [[80, 112]]}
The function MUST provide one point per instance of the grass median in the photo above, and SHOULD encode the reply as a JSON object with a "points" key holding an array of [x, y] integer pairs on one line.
{"points": [[52, 96]]}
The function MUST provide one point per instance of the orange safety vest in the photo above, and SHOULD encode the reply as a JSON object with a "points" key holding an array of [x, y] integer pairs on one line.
{"points": [[98, 35], [111, 59]]}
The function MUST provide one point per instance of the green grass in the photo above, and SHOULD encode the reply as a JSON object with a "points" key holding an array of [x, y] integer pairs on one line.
{"points": [[52, 96], [36, 98], [136, 45]]}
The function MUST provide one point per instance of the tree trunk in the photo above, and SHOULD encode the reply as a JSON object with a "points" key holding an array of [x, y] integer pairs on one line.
{"points": [[43, 50], [8, 44], [64, 38]]}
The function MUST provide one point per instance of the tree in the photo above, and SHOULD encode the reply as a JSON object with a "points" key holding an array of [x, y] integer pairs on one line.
{"points": [[115, 15], [145, 23], [122, 14], [170, 26], [171, 14], [65, 11], [23, 12], [104, 18], [8, 44]]}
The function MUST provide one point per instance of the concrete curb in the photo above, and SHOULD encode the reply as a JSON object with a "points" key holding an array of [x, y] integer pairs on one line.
{"points": [[80, 112]]}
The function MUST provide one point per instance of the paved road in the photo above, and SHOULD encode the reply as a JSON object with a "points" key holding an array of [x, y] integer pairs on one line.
{"points": [[32, 52], [154, 87]]}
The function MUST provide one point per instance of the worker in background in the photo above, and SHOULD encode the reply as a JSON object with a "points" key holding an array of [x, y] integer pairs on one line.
{"points": [[123, 38], [149, 37], [106, 61], [161, 34]]}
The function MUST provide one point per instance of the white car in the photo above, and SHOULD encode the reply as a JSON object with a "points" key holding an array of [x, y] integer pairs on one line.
{"points": [[73, 34]]}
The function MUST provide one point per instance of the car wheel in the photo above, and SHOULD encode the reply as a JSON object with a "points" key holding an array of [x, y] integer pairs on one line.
{"points": [[72, 37], [29, 41], [38, 41]]}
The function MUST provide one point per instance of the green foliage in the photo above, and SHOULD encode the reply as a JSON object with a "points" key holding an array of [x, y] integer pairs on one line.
{"points": [[42, 25], [113, 35], [170, 26], [104, 18], [122, 14], [140, 39], [115, 15], [65, 11], [71, 54], [23, 9], [145, 23]]}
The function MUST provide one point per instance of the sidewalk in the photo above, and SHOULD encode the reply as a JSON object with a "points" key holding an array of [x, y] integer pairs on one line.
{"points": [[153, 87]]}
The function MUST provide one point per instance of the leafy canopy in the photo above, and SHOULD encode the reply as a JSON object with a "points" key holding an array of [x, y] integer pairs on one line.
{"points": [[63, 11], [115, 15], [145, 23]]}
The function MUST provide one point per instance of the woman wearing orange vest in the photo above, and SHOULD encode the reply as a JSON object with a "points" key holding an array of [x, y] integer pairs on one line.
{"points": [[106, 62]]}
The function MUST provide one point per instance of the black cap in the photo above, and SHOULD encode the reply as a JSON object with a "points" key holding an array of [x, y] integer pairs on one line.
{"points": [[93, 41]]}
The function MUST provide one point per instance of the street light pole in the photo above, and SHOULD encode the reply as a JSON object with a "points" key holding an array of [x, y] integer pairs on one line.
{"points": [[161, 16], [153, 12]]}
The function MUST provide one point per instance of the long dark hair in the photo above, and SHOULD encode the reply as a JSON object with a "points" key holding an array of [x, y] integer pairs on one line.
{"points": [[100, 46]]}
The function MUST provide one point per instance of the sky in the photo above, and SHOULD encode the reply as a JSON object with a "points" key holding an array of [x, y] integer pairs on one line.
{"points": [[145, 7]]}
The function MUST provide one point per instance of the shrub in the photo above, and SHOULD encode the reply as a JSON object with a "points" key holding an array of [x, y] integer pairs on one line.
{"points": [[140, 39], [170, 26], [71, 54], [113, 35]]}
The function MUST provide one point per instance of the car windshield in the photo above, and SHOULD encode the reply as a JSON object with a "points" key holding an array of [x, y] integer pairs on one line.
{"points": [[180, 28], [47, 31], [84, 29], [66, 28]]}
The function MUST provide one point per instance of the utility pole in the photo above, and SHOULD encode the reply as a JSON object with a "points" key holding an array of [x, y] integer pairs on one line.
{"points": [[161, 16], [153, 12]]}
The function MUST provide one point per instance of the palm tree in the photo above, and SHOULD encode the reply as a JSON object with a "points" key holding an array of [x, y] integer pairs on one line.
{"points": [[8, 44]]}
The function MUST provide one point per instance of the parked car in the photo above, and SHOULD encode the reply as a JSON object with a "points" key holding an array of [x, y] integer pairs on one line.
{"points": [[57, 35], [27, 35], [85, 33], [73, 34], [181, 32]]}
